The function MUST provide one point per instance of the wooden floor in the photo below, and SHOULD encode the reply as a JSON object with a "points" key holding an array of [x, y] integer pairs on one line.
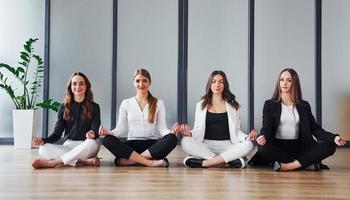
{"points": [[18, 180]]}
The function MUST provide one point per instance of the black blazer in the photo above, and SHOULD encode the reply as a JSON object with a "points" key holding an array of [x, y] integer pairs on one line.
{"points": [[76, 128], [307, 124]]}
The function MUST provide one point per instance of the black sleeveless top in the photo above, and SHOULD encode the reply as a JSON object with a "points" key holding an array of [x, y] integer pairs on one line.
{"points": [[216, 126]]}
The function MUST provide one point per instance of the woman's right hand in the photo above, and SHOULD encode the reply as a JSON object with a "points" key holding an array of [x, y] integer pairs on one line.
{"points": [[261, 140], [103, 132], [339, 141], [252, 135], [38, 142], [185, 129]]}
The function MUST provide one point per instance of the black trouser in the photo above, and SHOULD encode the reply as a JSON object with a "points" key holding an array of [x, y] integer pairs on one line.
{"points": [[286, 151], [159, 149]]}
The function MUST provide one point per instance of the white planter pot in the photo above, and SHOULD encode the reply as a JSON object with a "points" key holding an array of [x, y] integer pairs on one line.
{"points": [[24, 128]]}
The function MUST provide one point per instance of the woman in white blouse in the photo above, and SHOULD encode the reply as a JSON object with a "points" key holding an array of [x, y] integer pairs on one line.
{"points": [[140, 116], [216, 139]]}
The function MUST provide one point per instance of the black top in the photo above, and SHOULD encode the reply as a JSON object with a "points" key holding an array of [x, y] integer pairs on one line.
{"points": [[77, 128], [307, 124], [216, 126]]}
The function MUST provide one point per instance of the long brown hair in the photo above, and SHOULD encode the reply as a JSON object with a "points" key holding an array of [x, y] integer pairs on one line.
{"points": [[69, 99], [152, 101], [295, 88], [227, 95]]}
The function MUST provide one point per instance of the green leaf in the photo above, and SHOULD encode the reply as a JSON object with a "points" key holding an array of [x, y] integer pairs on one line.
{"points": [[49, 104], [24, 58], [25, 54], [25, 64], [8, 67], [20, 69], [27, 48]]}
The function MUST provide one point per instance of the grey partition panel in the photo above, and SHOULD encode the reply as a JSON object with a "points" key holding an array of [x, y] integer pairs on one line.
{"points": [[19, 21], [284, 37], [218, 40], [81, 40], [147, 38], [335, 57]]}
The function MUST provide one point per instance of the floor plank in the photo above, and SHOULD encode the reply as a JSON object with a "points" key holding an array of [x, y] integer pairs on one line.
{"points": [[18, 180]]}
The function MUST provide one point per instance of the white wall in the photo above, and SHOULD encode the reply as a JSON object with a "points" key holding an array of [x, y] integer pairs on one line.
{"points": [[19, 21]]}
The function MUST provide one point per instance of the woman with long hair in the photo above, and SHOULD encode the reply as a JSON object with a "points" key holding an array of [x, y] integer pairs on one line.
{"points": [[287, 136], [79, 119], [216, 139], [140, 117]]}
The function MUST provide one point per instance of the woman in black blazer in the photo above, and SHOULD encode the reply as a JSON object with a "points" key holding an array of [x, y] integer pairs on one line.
{"points": [[289, 128]]}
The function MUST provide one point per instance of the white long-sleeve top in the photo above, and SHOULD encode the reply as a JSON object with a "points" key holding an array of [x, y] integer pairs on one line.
{"points": [[234, 123], [288, 128], [134, 122]]}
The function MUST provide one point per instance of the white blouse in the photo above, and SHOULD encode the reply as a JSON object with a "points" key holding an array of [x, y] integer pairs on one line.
{"points": [[288, 128], [134, 122]]}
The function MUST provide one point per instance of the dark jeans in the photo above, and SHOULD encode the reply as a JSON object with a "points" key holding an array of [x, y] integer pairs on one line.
{"points": [[159, 149], [286, 151]]}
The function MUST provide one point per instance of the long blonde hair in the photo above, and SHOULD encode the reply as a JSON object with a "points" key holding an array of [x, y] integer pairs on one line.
{"points": [[152, 101]]}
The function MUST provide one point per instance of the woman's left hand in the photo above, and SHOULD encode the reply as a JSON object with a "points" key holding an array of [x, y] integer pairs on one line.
{"points": [[252, 135], [339, 141], [175, 128], [90, 135]]}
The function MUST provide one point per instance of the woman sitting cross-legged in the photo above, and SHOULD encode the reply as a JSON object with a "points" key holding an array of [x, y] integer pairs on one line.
{"points": [[216, 139], [287, 136], [140, 117], [79, 119]]}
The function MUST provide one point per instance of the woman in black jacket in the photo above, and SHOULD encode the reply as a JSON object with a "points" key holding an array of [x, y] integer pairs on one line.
{"points": [[289, 128], [79, 119]]}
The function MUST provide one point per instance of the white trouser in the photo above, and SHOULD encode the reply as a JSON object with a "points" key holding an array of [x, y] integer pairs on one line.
{"points": [[71, 151], [210, 148]]}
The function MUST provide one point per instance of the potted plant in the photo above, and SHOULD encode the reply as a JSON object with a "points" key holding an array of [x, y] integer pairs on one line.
{"points": [[24, 93]]}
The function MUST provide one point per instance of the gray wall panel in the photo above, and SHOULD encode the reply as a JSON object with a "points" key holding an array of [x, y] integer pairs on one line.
{"points": [[81, 40], [218, 39], [147, 38], [335, 59], [284, 37]]}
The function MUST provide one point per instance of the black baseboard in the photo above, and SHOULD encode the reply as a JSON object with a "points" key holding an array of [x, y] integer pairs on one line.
{"points": [[6, 141]]}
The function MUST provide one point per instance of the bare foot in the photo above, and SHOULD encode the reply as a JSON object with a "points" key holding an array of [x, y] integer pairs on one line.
{"points": [[96, 162], [125, 162], [159, 163], [91, 162], [42, 163], [310, 168]]}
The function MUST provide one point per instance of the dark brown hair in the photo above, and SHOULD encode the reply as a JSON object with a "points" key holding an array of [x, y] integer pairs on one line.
{"points": [[227, 95], [152, 101], [295, 88], [69, 99]]}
